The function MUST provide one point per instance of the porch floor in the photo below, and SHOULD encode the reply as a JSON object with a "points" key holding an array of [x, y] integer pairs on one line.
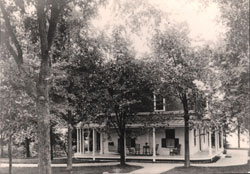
{"points": [[202, 156]]}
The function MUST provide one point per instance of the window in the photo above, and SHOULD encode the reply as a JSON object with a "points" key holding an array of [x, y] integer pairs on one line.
{"points": [[170, 142], [159, 103], [170, 133], [195, 137], [170, 137]]}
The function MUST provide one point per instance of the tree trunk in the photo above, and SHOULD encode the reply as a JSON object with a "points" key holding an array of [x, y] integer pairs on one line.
{"points": [[238, 127], [69, 161], [186, 132], [42, 103], [44, 165], [10, 154], [249, 139], [51, 142], [1, 143], [122, 148], [27, 146]]}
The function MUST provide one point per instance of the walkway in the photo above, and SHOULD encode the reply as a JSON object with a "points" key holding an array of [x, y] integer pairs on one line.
{"points": [[154, 168], [237, 157]]}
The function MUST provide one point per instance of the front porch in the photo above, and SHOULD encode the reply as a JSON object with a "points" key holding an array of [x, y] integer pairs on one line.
{"points": [[203, 156], [152, 146]]}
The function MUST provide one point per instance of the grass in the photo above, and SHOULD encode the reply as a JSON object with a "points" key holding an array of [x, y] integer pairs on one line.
{"points": [[210, 170], [76, 170], [55, 161]]}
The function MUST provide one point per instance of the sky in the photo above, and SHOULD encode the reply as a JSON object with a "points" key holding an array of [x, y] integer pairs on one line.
{"points": [[202, 20]]}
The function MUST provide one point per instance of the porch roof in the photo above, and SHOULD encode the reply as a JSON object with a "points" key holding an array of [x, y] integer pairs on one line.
{"points": [[147, 119]]}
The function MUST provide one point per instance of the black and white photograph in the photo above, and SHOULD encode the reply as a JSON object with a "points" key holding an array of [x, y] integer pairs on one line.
{"points": [[124, 87]]}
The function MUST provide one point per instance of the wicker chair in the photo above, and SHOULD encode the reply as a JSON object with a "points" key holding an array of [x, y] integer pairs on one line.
{"points": [[176, 151]]}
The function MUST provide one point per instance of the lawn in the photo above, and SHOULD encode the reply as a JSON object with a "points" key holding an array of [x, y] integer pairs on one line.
{"points": [[210, 170], [55, 161], [76, 170]]}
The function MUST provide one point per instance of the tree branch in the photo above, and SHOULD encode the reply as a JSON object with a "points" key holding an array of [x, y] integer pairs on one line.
{"points": [[112, 122], [11, 50], [19, 55], [42, 28], [55, 13]]}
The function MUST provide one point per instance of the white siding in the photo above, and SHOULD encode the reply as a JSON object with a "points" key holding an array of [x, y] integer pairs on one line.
{"points": [[146, 135]]}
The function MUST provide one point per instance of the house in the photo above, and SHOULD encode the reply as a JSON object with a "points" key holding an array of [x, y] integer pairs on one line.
{"points": [[232, 139], [152, 135]]}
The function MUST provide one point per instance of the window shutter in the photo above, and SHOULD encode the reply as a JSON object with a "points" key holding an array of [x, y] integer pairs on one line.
{"points": [[176, 142], [163, 142]]}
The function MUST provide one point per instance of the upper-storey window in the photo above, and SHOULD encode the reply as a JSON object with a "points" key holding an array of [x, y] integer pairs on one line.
{"points": [[159, 103], [173, 104]]}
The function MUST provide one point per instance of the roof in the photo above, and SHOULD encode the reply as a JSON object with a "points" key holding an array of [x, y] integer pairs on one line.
{"points": [[147, 119]]}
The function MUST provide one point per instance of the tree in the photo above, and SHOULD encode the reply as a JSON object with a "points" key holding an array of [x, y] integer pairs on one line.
{"points": [[73, 92], [125, 84], [76, 63], [16, 108], [48, 14], [176, 62], [234, 61]]}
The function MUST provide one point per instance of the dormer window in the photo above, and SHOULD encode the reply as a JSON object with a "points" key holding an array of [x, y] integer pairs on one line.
{"points": [[159, 102]]}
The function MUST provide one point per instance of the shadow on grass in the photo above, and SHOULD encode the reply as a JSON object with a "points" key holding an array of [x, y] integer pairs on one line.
{"points": [[54, 161], [210, 170], [76, 170]]}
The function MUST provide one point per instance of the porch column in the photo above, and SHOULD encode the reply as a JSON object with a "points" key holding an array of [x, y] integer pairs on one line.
{"points": [[93, 144], [154, 150], [83, 141], [77, 140], [80, 137], [101, 143], [216, 140], [88, 140], [210, 142]]}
